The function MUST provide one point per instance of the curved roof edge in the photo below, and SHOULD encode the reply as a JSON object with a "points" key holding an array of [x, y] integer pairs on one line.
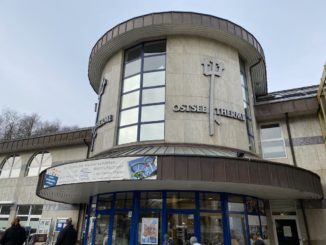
{"points": [[187, 23]]}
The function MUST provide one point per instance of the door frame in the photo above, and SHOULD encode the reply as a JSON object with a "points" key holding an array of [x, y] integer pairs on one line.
{"points": [[286, 217], [184, 211]]}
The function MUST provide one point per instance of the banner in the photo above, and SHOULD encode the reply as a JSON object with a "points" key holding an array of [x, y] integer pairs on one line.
{"points": [[149, 231], [126, 168]]}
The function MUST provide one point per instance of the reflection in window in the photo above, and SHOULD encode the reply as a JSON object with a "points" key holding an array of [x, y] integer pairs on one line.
{"points": [[38, 163], [211, 228], [180, 200], [272, 141], [238, 229], [121, 228], [246, 105], [11, 167], [143, 94]]}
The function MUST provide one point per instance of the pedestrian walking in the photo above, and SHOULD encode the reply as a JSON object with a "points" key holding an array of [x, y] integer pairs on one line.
{"points": [[15, 235], [68, 236]]}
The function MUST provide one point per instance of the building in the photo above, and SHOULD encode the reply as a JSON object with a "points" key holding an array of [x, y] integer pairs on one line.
{"points": [[188, 142]]}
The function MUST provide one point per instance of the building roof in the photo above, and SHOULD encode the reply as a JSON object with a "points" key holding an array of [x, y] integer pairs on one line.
{"points": [[162, 24], [59, 139]]}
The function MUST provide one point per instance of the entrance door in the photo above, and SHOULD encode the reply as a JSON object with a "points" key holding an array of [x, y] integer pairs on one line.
{"points": [[181, 227], [102, 229], [287, 232]]}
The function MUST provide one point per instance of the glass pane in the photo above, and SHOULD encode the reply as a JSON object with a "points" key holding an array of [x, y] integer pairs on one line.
{"points": [[23, 209], [33, 171], [37, 209], [253, 223], [123, 200], [211, 228], [132, 68], [6, 168], [129, 116], [121, 229], [153, 131], [264, 227], [128, 134], [15, 171], [152, 113], [133, 53], [102, 229], [180, 228], [149, 228], [131, 83], [5, 209], [154, 95], [154, 63], [210, 201], [46, 161], [129, 100], [261, 207], [236, 204], [153, 78], [33, 223], [4, 223], [104, 202], [180, 200], [252, 205], [271, 132], [273, 149], [151, 200], [238, 229], [154, 48]]}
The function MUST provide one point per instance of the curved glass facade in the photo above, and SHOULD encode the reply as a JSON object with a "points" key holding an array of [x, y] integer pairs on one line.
{"points": [[144, 217]]}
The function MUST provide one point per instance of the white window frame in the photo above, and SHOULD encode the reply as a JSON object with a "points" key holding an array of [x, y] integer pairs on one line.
{"points": [[29, 215], [12, 165], [271, 140], [4, 216], [41, 163]]}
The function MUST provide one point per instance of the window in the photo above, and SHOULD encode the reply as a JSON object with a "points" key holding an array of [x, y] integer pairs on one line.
{"points": [[4, 216], [246, 105], [143, 94], [11, 167], [272, 142], [30, 215], [38, 163]]}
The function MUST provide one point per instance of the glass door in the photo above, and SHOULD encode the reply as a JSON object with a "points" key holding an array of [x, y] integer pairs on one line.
{"points": [[102, 229], [181, 227]]}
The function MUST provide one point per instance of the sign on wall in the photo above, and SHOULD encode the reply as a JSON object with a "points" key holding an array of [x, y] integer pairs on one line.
{"points": [[126, 168], [149, 231]]}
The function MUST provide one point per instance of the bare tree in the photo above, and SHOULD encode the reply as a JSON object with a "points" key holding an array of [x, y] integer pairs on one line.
{"points": [[14, 125]]}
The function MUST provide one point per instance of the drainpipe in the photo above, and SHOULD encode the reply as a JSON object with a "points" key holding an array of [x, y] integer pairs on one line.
{"points": [[296, 165], [88, 148]]}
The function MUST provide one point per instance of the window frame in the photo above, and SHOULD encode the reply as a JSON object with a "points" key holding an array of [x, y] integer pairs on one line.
{"points": [[141, 89], [271, 140], [14, 156], [29, 215], [40, 165]]}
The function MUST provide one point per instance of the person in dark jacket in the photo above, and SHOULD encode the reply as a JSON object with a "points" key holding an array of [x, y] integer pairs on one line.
{"points": [[68, 236], [15, 235]]}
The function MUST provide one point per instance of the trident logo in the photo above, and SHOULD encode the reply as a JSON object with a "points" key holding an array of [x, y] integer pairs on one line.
{"points": [[212, 68]]}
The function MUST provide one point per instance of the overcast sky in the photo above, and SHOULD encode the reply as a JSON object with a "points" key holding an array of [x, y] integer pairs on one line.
{"points": [[45, 46]]}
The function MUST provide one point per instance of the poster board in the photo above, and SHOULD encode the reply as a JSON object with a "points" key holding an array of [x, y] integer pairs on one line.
{"points": [[149, 231], [44, 226]]}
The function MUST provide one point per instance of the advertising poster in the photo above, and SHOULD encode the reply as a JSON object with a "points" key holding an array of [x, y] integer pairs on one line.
{"points": [[124, 168], [149, 231], [44, 226]]}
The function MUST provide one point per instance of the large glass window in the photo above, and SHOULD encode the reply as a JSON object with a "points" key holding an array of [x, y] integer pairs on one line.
{"points": [[246, 105], [10, 168], [38, 163], [272, 142], [151, 217], [143, 94], [4, 216], [30, 215]]}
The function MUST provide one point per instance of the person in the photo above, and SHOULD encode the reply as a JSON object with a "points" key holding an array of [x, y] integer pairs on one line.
{"points": [[68, 236], [257, 240], [193, 241], [15, 235]]}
